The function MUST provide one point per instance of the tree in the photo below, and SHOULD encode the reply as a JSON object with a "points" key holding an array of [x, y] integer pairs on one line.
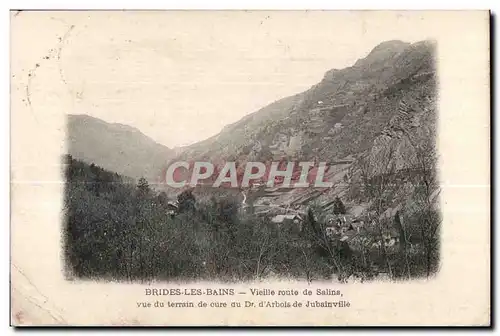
{"points": [[338, 207], [322, 245], [67, 158], [143, 186], [425, 195], [186, 201], [162, 198], [378, 179], [403, 242]]}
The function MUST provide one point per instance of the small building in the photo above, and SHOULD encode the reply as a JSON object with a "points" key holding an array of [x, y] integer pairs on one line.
{"points": [[341, 225], [342, 220], [331, 231], [390, 239], [358, 224], [294, 220], [172, 208]]}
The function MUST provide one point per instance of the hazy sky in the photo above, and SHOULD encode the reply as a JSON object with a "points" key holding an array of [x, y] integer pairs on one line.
{"points": [[180, 77]]}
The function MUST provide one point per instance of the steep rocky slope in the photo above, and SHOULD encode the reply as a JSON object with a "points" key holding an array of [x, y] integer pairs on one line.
{"points": [[377, 112], [339, 116]]}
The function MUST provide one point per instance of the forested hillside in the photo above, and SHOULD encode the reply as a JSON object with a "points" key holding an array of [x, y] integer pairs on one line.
{"points": [[121, 231]]}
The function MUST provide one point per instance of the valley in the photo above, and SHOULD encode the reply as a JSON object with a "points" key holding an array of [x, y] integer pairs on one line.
{"points": [[373, 124]]}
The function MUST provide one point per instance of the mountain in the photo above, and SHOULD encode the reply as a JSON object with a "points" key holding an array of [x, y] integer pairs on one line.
{"points": [[383, 103], [348, 108], [116, 147]]}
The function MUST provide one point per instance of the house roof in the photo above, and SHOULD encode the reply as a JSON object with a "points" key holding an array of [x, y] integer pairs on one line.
{"points": [[389, 213], [281, 218], [278, 219]]}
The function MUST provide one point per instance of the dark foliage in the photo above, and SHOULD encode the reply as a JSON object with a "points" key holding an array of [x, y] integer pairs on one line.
{"points": [[186, 201], [338, 207], [122, 231]]}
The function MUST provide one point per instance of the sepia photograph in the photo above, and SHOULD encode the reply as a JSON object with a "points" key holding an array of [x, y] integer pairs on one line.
{"points": [[375, 215], [248, 154]]}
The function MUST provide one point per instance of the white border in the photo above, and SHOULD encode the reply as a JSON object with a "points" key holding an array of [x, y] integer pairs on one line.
{"points": [[186, 4]]}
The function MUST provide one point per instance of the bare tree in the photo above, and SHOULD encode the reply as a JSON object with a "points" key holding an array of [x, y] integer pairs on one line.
{"points": [[339, 253], [379, 185], [403, 241], [426, 191]]}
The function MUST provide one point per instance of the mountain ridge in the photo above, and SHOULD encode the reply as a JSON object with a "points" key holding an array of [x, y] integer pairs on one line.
{"points": [[339, 94], [121, 148], [384, 103]]}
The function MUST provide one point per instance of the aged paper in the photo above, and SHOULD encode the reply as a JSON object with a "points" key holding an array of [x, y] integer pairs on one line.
{"points": [[241, 168]]}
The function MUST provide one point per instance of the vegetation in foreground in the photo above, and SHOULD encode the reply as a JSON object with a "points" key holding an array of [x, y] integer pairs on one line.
{"points": [[119, 231]]}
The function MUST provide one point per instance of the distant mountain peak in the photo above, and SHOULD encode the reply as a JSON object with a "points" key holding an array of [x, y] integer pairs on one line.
{"points": [[390, 45], [121, 148], [383, 52], [90, 119]]}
